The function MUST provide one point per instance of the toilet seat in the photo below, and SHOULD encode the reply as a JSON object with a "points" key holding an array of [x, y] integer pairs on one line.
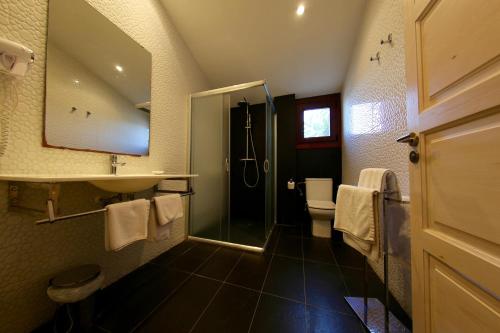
{"points": [[320, 204]]}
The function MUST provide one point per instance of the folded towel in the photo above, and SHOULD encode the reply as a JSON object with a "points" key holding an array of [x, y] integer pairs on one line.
{"points": [[126, 222], [382, 180], [354, 214], [168, 208], [157, 232]]}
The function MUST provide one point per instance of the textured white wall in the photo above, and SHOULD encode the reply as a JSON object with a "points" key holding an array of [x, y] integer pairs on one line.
{"points": [[30, 255], [374, 115]]}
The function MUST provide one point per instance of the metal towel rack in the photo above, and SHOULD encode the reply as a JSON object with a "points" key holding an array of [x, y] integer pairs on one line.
{"points": [[52, 218], [370, 311]]}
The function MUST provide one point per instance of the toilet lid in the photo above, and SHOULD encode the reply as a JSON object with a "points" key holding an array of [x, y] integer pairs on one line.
{"points": [[319, 204], [76, 276]]}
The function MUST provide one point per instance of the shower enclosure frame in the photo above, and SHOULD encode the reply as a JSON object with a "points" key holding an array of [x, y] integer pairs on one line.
{"points": [[269, 102]]}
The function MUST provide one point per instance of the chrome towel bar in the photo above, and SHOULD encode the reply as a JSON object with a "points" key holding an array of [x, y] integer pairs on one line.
{"points": [[52, 218]]}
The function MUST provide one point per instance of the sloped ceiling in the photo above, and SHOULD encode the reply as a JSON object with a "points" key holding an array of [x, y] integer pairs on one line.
{"points": [[236, 41]]}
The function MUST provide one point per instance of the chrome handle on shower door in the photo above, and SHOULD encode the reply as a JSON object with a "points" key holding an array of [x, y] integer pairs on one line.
{"points": [[266, 165]]}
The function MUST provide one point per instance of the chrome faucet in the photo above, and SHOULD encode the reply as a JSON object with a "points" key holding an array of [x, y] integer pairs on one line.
{"points": [[115, 163]]}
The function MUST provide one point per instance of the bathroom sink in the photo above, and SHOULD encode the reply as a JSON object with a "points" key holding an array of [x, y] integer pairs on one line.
{"points": [[124, 185]]}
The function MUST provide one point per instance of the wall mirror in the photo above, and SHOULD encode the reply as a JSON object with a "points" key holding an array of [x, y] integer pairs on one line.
{"points": [[98, 83]]}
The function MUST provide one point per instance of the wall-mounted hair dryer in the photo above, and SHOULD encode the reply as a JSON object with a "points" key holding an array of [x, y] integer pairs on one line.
{"points": [[15, 59]]}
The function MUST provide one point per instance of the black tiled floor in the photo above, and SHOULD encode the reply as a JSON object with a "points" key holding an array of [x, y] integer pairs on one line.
{"points": [[326, 321], [318, 250], [129, 312], [168, 256], [190, 260], [220, 264], [250, 271], [231, 311], [346, 255], [180, 312], [298, 285], [289, 245], [325, 287], [286, 278], [274, 314]]}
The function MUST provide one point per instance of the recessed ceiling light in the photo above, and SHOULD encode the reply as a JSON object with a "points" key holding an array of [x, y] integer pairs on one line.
{"points": [[300, 10], [119, 68]]}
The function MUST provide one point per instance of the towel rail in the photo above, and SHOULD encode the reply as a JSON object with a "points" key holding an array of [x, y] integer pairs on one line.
{"points": [[52, 218], [369, 310]]}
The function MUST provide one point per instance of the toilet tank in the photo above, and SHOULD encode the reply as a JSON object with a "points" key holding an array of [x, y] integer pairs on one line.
{"points": [[319, 189]]}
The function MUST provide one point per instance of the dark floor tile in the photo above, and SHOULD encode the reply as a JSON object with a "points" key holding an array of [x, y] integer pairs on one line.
{"points": [[318, 249], [322, 321], [286, 278], [179, 313], [294, 231], [190, 260], [325, 287], [355, 282], [128, 313], [250, 271], [278, 315], [168, 256], [355, 285], [307, 230], [220, 264], [289, 246], [121, 290], [230, 311], [273, 239], [346, 255]]}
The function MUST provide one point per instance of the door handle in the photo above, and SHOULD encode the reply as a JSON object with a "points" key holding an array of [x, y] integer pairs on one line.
{"points": [[411, 139], [266, 165], [227, 164]]}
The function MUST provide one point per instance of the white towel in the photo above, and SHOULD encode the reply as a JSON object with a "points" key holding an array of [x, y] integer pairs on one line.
{"points": [[168, 208], [382, 180], [355, 212], [126, 223], [157, 232]]}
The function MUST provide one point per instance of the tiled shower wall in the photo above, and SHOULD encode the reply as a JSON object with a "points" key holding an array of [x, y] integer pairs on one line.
{"points": [[374, 115], [29, 254]]}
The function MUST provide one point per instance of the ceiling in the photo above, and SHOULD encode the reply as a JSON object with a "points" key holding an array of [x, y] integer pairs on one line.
{"points": [[237, 41]]}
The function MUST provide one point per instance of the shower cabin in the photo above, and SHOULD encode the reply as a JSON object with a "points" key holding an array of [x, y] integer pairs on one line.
{"points": [[232, 143]]}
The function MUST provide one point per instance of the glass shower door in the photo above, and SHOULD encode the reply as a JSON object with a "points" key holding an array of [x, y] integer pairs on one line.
{"points": [[269, 166], [210, 160]]}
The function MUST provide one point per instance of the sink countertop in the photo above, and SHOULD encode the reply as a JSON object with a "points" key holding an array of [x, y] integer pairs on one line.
{"points": [[46, 178]]}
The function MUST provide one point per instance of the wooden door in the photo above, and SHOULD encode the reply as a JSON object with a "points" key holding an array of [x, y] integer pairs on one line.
{"points": [[453, 77]]}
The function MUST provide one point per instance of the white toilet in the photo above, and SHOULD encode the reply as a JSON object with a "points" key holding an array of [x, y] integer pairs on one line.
{"points": [[320, 205]]}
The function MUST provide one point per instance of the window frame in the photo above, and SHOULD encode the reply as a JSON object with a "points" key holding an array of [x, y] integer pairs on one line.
{"points": [[331, 101]]}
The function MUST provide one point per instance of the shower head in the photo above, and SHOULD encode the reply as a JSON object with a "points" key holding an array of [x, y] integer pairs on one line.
{"points": [[244, 102]]}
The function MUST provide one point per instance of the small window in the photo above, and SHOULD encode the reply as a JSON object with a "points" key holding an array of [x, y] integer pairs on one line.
{"points": [[318, 122]]}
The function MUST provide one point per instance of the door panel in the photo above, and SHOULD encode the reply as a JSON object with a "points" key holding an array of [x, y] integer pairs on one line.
{"points": [[453, 79], [458, 37], [457, 305], [461, 190]]}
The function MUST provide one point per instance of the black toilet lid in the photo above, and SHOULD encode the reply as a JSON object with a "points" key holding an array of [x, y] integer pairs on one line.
{"points": [[76, 276]]}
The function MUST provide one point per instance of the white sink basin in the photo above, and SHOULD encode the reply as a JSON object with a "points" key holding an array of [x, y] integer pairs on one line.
{"points": [[110, 183], [125, 185]]}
